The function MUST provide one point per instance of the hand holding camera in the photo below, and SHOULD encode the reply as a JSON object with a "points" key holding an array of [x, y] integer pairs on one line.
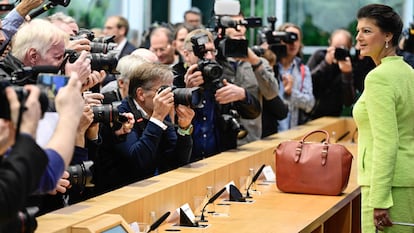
{"points": [[163, 102], [79, 44], [193, 77], [229, 93], [82, 66]]}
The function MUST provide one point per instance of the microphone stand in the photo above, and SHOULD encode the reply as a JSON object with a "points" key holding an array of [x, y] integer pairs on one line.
{"points": [[157, 223], [211, 200], [255, 177]]}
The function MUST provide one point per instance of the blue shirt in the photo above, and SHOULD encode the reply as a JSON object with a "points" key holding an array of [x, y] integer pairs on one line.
{"points": [[205, 134], [10, 25], [54, 170]]}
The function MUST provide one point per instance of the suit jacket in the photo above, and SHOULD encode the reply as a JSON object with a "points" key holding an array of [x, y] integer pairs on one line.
{"points": [[147, 151], [127, 49], [20, 174], [384, 115]]}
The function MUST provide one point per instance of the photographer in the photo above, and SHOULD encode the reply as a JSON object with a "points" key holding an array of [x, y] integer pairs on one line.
{"points": [[69, 106], [21, 170], [332, 76], [295, 80], [154, 146], [213, 132], [252, 73]]}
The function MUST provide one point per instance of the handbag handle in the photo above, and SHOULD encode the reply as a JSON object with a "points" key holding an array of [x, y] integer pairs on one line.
{"points": [[324, 153]]}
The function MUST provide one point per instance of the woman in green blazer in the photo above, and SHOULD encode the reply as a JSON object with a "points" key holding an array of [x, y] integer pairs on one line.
{"points": [[384, 115]]}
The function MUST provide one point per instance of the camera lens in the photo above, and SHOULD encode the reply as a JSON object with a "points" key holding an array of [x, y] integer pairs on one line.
{"points": [[188, 96], [81, 174], [24, 221]]}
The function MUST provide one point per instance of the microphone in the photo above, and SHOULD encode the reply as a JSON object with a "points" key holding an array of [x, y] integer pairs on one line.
{"points": [[211, 200], [254, 179], [159, 221], [48, 6], [228, 22]]}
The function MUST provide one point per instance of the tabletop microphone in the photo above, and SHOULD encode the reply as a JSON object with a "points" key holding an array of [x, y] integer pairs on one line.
{"points": [[211, 200], [254, 180], [159, 221]]}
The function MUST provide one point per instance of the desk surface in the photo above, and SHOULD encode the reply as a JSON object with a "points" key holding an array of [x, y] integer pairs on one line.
{"points": [[271, 210]]}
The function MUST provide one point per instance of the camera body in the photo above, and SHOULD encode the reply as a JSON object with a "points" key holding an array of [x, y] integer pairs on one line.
{"points": [[210, 69], [24, 221], [230, 122], [341, 54], [22, 95]]}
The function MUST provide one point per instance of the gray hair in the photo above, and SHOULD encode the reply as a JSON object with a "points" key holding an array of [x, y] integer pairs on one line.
{"points": [[39, 34]]}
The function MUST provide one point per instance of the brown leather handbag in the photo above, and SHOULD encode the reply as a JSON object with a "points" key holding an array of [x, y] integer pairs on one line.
{"points": [[312, 167]]}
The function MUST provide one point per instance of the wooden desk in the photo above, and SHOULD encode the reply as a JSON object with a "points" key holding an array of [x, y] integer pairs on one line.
{"points": [[272, 211]]}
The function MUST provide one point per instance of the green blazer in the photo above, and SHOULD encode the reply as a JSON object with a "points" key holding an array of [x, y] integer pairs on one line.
{"points": [[384, 115]]}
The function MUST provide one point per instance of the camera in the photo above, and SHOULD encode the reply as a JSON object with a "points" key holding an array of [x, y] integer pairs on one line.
{"points": [[191, 97], [232, 47], [108, 113], [81, 174], [341, 54], [22, 95], [24, 221], [99, 61], [103, 44], [229, 121], [275, 38], [210, 69]]}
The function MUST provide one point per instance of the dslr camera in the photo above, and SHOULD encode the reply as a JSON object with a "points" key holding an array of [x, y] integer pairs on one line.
{"points": [[210, 69], [341, 54], [9, 76], [99, 61], [108, 113], [24, 221], [230, 122], [103, 44], [103, 56]]}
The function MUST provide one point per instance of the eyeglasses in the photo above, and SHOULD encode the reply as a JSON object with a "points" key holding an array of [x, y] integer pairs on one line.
{"points": [[161, 50], [211, 51]]}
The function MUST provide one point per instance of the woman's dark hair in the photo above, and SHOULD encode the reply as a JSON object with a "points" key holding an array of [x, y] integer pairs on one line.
{"points": [[386, 19]]}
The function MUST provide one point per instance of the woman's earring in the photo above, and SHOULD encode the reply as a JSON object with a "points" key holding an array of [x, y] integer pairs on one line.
{"points": [[386, 44]]}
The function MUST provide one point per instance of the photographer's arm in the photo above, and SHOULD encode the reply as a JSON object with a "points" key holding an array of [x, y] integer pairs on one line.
{"points": [[268, 85], [246, 104], [15, 18]]}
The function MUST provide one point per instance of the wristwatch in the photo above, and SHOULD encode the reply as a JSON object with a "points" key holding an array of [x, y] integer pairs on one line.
{"points": [[184, 132]]}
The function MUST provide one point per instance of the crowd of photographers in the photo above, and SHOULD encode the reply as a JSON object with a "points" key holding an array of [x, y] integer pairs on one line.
{"points": [[127, 114]]}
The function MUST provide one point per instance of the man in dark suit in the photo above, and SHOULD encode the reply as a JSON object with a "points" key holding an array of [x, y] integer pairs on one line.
{"points": [[155, 145], [118, 26]]}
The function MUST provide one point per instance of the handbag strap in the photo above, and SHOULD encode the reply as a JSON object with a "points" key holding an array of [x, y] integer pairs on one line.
{"points": [[324, 153], [317, 131]]}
